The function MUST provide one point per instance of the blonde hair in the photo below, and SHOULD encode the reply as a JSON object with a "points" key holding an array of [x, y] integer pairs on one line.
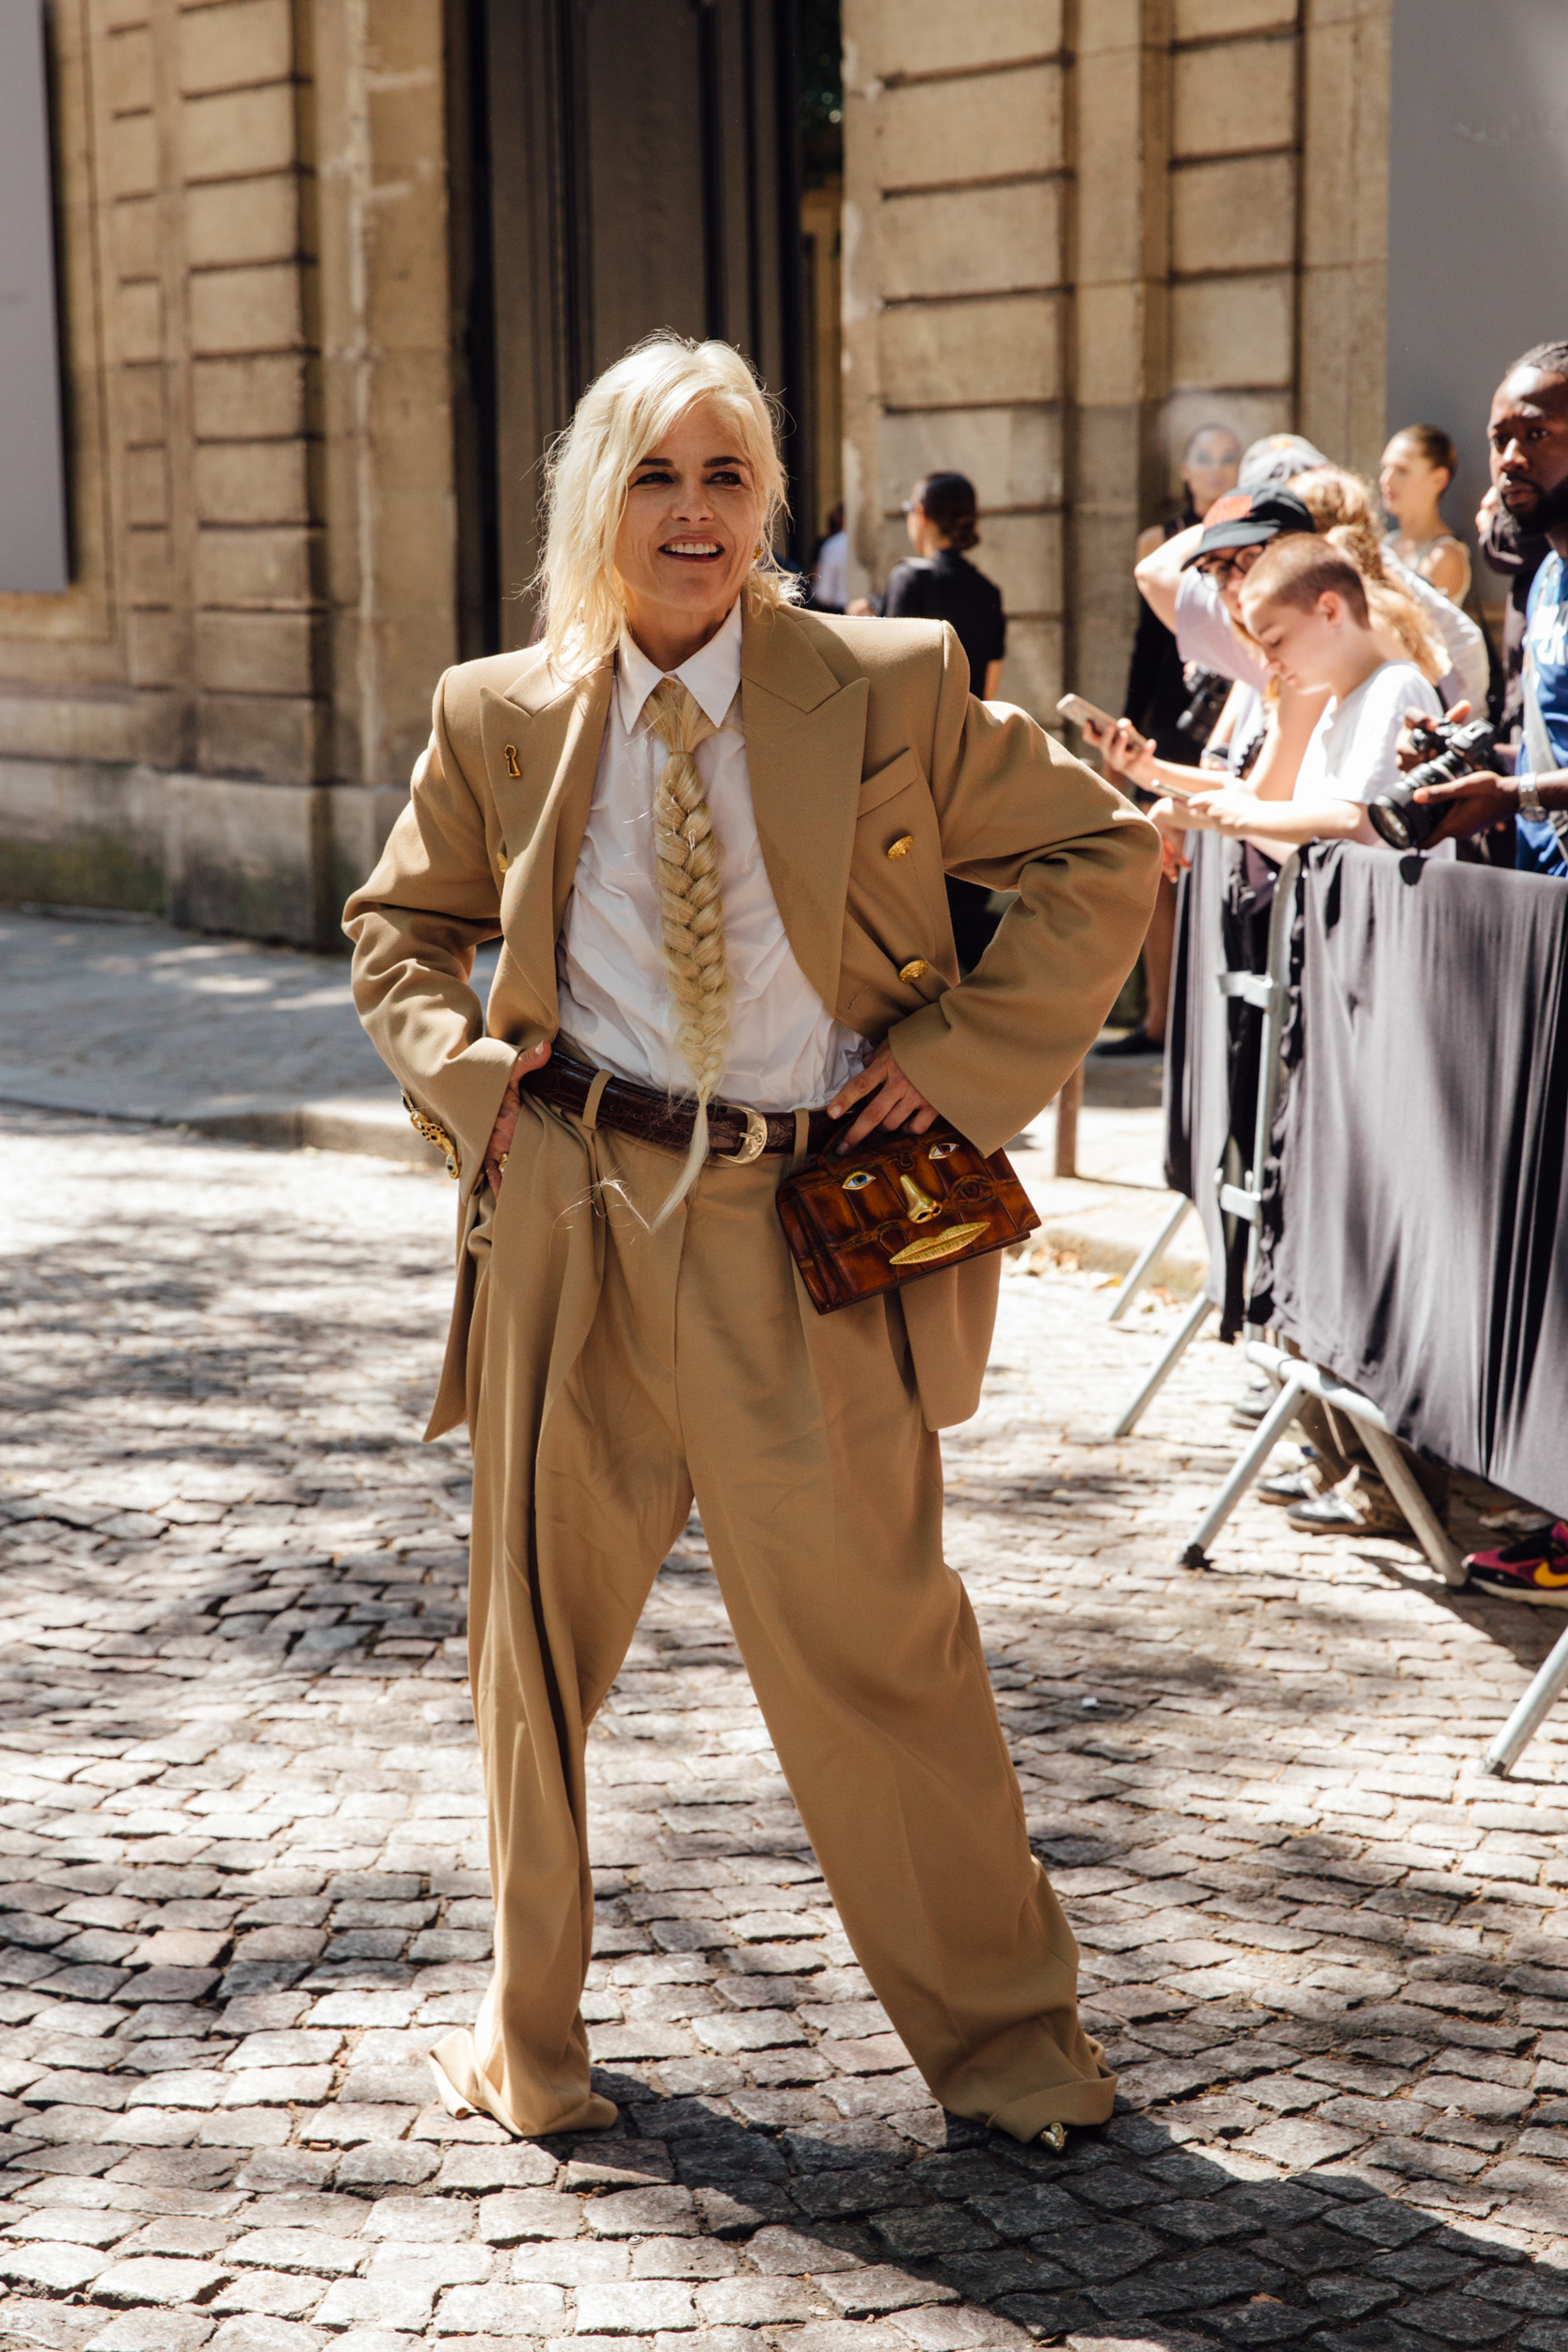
{"points": [[620, 418], [1344, 511], [691, 912]]}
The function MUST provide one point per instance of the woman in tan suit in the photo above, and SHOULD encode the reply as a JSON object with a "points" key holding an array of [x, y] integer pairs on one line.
{"points": [[711, 831]]}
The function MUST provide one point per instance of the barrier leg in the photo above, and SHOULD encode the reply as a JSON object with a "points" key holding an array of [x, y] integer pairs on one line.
{"points": [[1266, 1437], [1528, 1715], [1430, 1531], [1134, 1282], [1129, 1419]]}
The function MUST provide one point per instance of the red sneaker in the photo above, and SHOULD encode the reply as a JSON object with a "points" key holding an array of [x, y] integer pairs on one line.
{"points": [[1531, 1567]]}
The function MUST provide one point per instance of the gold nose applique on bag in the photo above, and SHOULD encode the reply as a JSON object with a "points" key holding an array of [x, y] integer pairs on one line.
{"points": [[920, 1206], [690, 909]]}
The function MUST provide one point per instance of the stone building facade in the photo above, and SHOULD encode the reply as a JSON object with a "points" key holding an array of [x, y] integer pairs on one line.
{"points": [[1070, 228], [217, 719], [1073, 230]]}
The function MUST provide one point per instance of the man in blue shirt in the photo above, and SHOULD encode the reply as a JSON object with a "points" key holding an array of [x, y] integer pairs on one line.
{"points": [[1529, 439]]}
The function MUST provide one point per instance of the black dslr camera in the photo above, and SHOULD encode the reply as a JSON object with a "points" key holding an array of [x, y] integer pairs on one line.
{"points": [[1206, 695], [1464, 750]]}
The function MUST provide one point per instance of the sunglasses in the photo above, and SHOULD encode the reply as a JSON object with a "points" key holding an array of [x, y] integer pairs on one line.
{"points": [[1221, 566]]}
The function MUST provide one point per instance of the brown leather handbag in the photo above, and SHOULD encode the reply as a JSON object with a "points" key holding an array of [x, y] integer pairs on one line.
{"points": [[896, 1207]]}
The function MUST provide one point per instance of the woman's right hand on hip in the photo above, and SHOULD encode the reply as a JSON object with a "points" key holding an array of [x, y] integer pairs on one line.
{"points": [[506, 1118]]}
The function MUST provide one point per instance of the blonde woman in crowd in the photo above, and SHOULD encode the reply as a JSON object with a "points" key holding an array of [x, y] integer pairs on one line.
{"points": [[1417, 466], [711, 833], [1337, 498]]}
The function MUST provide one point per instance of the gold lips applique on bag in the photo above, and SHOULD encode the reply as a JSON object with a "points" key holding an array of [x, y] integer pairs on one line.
{"points": [[898, 1207]]}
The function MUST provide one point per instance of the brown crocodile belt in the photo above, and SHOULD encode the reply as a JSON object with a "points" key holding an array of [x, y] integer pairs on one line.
{"points": [[732, 1134]]}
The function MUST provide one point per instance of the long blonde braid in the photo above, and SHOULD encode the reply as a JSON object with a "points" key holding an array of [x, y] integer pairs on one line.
{"points": [[691, 910]]}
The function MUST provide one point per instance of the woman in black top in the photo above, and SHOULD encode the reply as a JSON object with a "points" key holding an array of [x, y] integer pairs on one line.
{"points": [[941, 584]]}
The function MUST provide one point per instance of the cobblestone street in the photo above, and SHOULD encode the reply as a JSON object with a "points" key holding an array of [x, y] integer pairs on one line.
{"points": [[242, 1833]]}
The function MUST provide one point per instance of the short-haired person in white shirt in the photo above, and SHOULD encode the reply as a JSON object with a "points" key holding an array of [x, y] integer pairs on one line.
{"points": [[1304, 604]]}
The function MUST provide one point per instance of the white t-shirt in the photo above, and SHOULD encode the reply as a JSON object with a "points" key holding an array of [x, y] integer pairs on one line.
{"points": [[1351, 755]]}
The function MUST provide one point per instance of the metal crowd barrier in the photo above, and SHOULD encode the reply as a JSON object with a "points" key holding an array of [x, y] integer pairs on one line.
{"points": [[1294, 1379], [1269, 990]]}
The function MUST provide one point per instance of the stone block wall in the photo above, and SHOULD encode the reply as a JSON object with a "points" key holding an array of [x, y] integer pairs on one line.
{"points": [[1073, 233], [215, 721]]}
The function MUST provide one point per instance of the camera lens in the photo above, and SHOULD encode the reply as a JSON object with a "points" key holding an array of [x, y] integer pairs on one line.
{"points": [[1387, 819]]}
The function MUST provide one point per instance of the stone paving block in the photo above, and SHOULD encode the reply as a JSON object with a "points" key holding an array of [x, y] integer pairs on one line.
{"points": [[435, 2266], [284, 2295], [59, 2266], [157, 2279], [632, 2213], [864, 2294], [152, 2331], [253, 2333], [361, 2302], [298, 2249], [506, 2312], [634, 2310], [519, 2213], [346, 2124]]}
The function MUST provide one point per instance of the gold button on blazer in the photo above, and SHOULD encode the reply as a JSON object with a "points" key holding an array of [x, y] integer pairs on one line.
{"points": [[857, 732]]}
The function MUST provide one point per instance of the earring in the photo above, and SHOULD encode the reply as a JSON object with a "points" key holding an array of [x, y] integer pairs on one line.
{"points": [[760, 550]]}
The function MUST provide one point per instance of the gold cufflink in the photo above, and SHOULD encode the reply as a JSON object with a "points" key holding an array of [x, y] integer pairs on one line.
{"points": [[902, 847], [512, 766], [915, 971]]}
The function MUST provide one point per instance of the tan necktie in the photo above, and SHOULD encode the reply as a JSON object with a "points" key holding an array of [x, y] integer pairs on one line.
{"points": [[690, 909]]}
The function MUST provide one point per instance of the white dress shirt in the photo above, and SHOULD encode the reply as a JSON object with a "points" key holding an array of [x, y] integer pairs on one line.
{"points": [[786, 1051]]}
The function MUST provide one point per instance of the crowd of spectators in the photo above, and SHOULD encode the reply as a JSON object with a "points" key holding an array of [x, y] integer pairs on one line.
{"points": [[1306, 640], [1350, 658]]}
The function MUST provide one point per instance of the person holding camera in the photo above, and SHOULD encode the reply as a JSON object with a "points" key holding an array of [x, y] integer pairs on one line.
{"points": [[1528, 434]]}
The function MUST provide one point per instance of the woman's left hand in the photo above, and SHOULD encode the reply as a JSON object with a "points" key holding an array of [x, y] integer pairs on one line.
{"points": [[894, 1102]]}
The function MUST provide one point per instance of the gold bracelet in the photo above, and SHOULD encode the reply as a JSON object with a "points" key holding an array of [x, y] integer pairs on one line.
{"points": [[434, 1134]]}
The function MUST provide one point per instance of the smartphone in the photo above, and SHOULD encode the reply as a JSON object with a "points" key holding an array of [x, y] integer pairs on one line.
{"points": [[1083, 713], [1073, 706]]}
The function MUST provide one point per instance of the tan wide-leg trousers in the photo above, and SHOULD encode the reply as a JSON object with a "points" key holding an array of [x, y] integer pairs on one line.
{"points": [[616, 1371]]}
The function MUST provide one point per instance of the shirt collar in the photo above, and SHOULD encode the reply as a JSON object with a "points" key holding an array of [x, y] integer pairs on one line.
{"points": [[711, 676]]}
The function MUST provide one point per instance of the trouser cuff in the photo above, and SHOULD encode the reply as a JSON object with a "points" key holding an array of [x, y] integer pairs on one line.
{"points": [[1079, 2102]]}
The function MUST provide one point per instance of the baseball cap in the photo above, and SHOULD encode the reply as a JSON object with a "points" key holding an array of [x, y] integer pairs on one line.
{"points": [[1249, 518], [1275, 458]]}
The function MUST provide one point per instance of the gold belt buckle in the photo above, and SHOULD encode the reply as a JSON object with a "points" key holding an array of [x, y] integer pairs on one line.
{"points": [[754, 1145]]}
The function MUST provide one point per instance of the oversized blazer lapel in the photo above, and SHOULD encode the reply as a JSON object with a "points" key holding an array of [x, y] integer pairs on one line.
{"points": [[543, 809], [805, 735]]}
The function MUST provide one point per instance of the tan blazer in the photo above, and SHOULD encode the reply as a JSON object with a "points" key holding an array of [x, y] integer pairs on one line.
{"points": [[859, 734]]}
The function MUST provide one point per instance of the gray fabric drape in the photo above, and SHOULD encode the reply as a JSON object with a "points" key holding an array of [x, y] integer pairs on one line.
{"points": [[1414, 1237]]}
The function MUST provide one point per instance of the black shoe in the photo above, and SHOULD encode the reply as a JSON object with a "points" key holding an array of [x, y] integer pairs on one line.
{"points": [[1136, 1041]]}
